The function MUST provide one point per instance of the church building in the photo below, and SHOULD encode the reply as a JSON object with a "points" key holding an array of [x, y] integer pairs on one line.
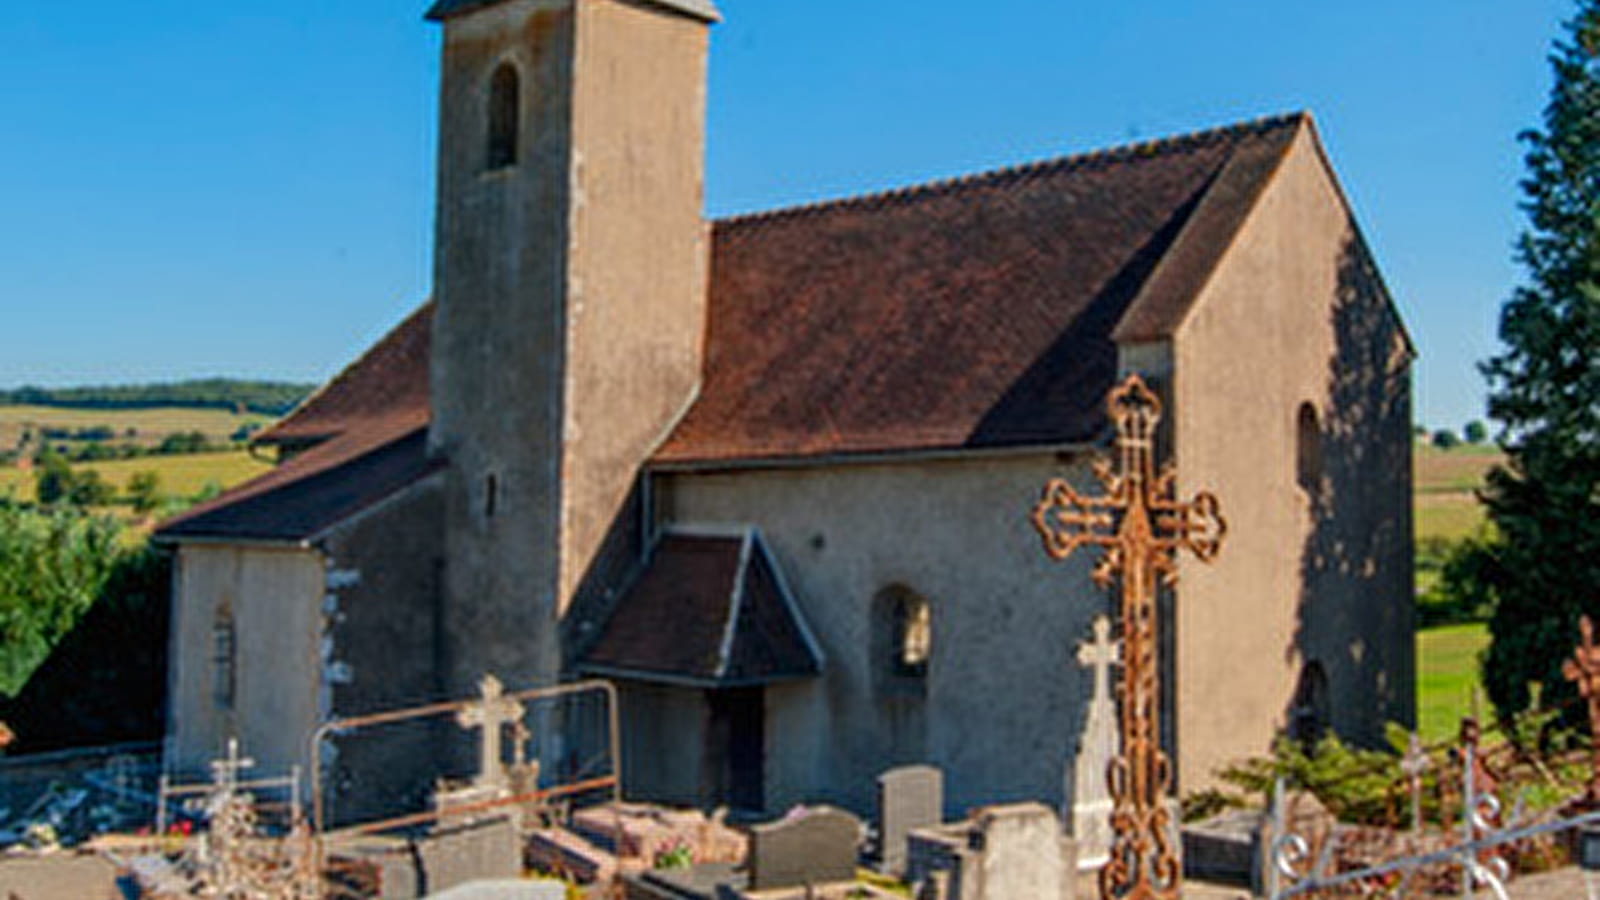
{"points": [[772, 474]]}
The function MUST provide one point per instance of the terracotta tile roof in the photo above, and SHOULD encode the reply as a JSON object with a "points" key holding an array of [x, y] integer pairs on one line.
{"points": [[387, 386], [709, 610], [973, 313], [367, 436]]}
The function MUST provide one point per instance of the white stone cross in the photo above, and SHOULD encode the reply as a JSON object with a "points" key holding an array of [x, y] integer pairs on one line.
{"points": [[1102, 653], [1097, 747], [1413, 764], [491, 713]]}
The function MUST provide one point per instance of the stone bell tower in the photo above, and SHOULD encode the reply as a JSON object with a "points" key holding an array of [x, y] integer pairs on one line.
{"points": [[570, 280]]}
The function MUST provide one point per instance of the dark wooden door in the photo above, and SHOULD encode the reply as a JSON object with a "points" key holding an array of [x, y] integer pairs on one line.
{"points": [[737, 748]]}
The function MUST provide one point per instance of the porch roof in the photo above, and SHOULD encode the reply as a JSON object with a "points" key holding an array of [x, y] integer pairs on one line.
{"points": [[708, 609]]}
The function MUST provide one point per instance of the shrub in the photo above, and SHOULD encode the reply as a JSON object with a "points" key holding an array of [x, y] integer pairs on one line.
{"points": [[53, 565]]}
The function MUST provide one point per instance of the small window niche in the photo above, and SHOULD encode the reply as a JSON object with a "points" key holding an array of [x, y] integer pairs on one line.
{"points": [[1308, 450], [905, 638], [491, 496], [505, 113]]}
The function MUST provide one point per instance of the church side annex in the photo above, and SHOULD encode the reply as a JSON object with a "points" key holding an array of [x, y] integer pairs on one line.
{"points": [[771, 474]]}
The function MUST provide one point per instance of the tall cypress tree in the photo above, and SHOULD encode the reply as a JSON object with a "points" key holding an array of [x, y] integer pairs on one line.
{"points": [[1542, 567]]}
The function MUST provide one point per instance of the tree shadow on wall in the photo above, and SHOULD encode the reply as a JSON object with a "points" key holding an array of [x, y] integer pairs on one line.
{"points": [[1354, 634]]}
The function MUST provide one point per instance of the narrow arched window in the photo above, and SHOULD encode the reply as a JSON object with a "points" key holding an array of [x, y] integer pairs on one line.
{"points": [[224, 656], [505, 106], [1309, 713], [1308, 449], [491, 496]]}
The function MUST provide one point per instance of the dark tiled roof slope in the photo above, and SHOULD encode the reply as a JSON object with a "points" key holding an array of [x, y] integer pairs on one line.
{"points": [[367, 429], [707, 610], [312, 492], [967, 314]]}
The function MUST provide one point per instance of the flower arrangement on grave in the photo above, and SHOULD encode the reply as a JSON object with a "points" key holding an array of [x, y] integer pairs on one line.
{"points": [[676, 855]]}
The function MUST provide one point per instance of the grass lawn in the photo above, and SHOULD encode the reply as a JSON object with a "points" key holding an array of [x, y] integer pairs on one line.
{"points": [[1447, 670], [182, 475]]}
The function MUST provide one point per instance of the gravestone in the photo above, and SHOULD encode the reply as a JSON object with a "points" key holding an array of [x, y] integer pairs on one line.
{"points": [[1022, 854], [483, 850], [1002, 853], [1097, 746], [909, 797], [817, 846]]}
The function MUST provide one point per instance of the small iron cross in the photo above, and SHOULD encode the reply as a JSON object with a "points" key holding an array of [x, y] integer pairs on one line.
{"points": [[491, 713], [1584, 669], [225, 772], [1141, 526]]}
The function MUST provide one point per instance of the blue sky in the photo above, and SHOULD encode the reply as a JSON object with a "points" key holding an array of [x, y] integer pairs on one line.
{"points": [[245, 188]]}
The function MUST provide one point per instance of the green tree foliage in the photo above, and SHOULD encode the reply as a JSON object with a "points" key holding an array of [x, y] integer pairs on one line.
{"points": [[53, 564], [144, 491], [1542, 567], [105, 681], [1475, 432], [52, 480], [55, 482], [1355, 785], [268, 397], [89, 489], [184, 442], [1444, 439]]}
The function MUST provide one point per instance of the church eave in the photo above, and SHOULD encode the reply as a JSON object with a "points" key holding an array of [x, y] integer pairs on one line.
{"points": [[872, 457]]}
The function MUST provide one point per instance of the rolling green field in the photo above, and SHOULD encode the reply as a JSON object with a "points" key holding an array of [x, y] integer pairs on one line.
{"points": [[150, 425], [1447, 656], [182, 476], [1447, 671], [1443, 492]]}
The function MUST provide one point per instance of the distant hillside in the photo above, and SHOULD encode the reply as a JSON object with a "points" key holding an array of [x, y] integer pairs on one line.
{"points": [[272, 398]]}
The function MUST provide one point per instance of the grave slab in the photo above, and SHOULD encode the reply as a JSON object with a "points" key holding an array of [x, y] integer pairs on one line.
{"points": [[909, 797], [816, 846], [488, 850], [504, 890]]}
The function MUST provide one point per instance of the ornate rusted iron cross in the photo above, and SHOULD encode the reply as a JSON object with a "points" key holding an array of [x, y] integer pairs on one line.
{"points": [[1584, 668], [1141, 527]]}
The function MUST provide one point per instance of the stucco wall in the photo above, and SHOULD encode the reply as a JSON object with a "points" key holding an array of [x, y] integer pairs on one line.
{"points": [[1294, 314], [638, 256], [500, 269], [570, 288], [1004, 697], [382, 611], [275, 599]]}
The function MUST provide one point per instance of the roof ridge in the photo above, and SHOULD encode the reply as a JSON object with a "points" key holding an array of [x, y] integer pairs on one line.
{"points": [[939, 186]]}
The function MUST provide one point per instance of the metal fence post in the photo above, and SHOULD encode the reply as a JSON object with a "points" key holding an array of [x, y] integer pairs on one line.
{"points": [[1275, 834], [1470, 797]]}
